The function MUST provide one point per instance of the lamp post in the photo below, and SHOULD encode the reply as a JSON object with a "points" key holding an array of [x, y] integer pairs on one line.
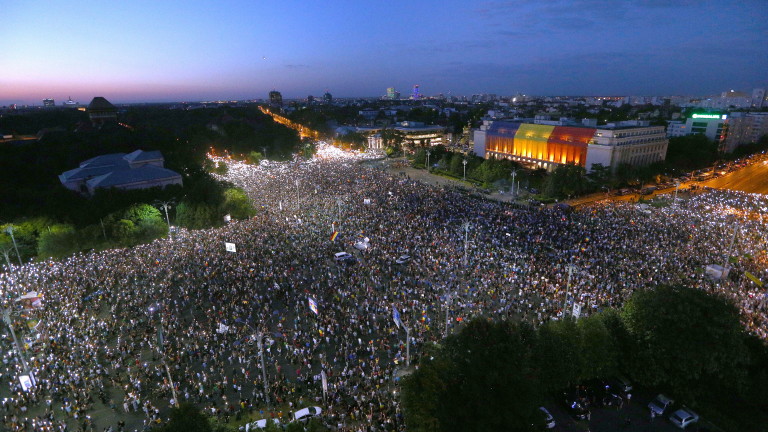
{"points": [[514, 173], [9, 323], [428, 153], [567, 288], [677, 186], [297, 194], [466, 226], [464, 162], [165, 205], [9, 230], [259, 342], [160, 351], [730, 247]]}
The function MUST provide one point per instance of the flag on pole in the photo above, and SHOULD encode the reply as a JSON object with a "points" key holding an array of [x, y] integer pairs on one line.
{"points": [[754, 279], [313, 306], [396, 316], [333, 236]]}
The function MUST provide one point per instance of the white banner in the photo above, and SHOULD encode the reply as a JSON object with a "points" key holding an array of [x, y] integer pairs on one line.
{"points": [[325, 382], [576, 310], [230, 247]]}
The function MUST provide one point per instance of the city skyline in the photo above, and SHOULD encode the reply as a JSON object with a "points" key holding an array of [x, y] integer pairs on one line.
{"points": [[239, 50]]}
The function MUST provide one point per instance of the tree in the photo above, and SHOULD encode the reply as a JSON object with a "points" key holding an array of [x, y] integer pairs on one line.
{"points": [[598, 349], [600, 172], [58, 242], [186, 418], [237, 204], [480, 379], [558, 354], [566, 180], [392, 138], [686, 340]]}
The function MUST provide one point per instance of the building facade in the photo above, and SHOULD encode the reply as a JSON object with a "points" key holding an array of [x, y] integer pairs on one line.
{"points": [[712, 125], [275, 98], [745, 128], [548, 146]]}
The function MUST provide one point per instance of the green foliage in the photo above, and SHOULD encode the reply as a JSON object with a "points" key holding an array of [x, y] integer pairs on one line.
{"points": [[691, 152], [221, 167], [558, 354], [599, 356], [237, 204], [60, 241], [254, 157], [566, 180], [195, 215], [686, 340], [186, 418], [479, 380]]}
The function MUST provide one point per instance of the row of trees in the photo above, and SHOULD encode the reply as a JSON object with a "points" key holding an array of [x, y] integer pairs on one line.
{"points": [[138, 223], [682, 341]]}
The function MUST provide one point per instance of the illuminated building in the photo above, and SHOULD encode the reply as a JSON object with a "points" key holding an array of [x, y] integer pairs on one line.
{"points": [[48, 103], [275, 98], [392, 94], [547, 145], [712, 125], [415, 95], [327, 98]]}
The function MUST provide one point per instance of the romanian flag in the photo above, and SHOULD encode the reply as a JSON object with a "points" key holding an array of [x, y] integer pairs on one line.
{"points": [[333, 236]]}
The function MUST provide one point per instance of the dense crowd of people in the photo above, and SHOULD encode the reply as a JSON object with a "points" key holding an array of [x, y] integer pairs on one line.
{"points": [[122, 335]]}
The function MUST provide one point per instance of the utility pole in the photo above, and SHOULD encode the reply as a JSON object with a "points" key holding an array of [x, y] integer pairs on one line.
{"points": [[165, 205], [7, 319], [514, 173], [567, 288], [677, 186], [407, 346], [730, 247], [466, 242], [9, 230], [263, 369]]}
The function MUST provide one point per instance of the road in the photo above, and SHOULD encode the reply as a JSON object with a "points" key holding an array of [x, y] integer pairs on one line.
{"points": [[752, 179]]}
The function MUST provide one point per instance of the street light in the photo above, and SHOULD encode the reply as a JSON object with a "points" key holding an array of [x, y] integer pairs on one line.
{"points": [[165, 205], [567, 288], [428, 153], [466, 227], [259, 337], [152, 309], [464, 162], [728, 253], [514, 173], [677, 186], [9, 230], [297, 194]]}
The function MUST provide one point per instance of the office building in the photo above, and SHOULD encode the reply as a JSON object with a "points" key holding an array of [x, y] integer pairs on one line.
{"points": [[48, 103], [759, 98], [415, 94], [275, 98], [745, 128], [712, 125], [327, 98], [547, 146]]}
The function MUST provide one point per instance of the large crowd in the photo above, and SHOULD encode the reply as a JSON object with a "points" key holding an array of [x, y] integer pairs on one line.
{"points": [[122, 335]]}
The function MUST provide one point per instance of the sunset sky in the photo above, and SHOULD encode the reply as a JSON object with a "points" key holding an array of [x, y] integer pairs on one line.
{"points": [[209, 50]]}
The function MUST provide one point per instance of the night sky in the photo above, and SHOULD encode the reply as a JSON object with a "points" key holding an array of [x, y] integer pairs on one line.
{"points": [[213, 50]]}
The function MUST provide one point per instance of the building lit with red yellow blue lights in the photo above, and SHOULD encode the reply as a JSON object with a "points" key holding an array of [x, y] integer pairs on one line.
{"points": [[547, 146]]}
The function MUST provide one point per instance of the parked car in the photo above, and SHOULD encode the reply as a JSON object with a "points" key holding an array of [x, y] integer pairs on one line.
{"points": [[344, 258], [305, 414], [683, 417], [660, 404], [258, 424], [549, 421], [403, 259], [620, 384]]}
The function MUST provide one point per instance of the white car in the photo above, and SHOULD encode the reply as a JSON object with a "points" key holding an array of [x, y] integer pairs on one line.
{"points": [[548, 419], [343, 256], [403, 259], [258, 424], [660, 404], [305, 414], [683, 417]]}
